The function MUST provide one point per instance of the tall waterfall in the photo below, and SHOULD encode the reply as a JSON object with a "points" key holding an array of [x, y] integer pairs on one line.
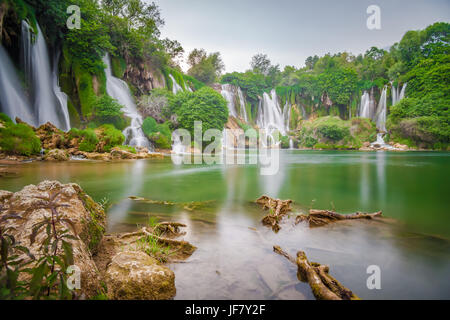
{"points": [[367, 106], [232, 94], [380, 116], [396, 95], [36, 63], [175, 86], [13, 100], [118, 89], [270, 115], [61, 96]]}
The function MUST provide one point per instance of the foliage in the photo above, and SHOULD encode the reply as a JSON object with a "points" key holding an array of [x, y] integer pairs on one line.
{"points": [[18, 139], [205, 67], [89, 140], [108, 110], [109, 137], [159, 133], [48, 271], [155, 104], [205, 105]]}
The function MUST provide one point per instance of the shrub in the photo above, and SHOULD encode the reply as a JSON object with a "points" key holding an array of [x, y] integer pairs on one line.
{"points": [[159, 133], [18, 139], [108, 110], [89, 142], [109, 137]]}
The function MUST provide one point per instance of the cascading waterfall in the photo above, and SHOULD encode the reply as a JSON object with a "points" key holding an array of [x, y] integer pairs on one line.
{"points": [[396, 95], [231, 93], [61, 96], [380, 116], [13, 100], [175, 86], [36, 64], [118, 89], [271, 117]]}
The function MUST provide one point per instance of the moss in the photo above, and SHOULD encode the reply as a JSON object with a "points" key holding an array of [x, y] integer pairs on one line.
{"points": [[109, 137], [128, 148], [18, 139], [96, 223], [85, 89], [89, 140], [73, 115], [118, 66]]}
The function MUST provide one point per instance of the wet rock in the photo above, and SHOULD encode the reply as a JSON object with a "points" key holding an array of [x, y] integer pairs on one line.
{"points": [[51, 137], [133, 275], [56, 155], [87, 224], [117, 153]]}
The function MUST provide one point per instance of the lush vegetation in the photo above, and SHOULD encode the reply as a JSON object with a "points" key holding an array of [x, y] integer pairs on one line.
{"points": [[18, 139], [159, 133], [333, 84]]}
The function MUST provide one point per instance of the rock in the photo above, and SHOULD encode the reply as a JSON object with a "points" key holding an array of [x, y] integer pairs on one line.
{"points": [[366, 144], [133, 275], [87, 219], [117, 153], [56, 155], [400, 146], [97, 156], [51, 137]]}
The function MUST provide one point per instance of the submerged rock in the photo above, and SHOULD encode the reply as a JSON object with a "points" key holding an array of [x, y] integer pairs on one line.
{"points": [[134, 275]]}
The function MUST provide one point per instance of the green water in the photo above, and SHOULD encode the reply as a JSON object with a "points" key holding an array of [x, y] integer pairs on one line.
{"points": [[234, 257]]}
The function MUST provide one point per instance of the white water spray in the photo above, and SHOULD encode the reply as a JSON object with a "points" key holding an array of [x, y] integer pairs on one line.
{"points": [[118, 89], [234, 94], [35, 59], [175, 86], [13, 100]]}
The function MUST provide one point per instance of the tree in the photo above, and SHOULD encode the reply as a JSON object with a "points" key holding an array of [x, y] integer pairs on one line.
{"points": [[311, 61], [205, 67], [260, 63], [205, 105]]}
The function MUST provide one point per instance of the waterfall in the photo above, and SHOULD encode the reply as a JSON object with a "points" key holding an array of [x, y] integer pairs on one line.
{"points": [[231, 93], [61, 96], [396, 95], [13, 100], [270, 115], [364, 109], [175, 86], [177, 146], [36, 64], [380, 116], [118, 89]]}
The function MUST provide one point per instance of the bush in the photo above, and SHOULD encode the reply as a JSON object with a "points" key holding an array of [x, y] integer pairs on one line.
{"points": [[205, 105], [109, 137], [18, 139], [89, 140], [108, 110], [159, 133]]}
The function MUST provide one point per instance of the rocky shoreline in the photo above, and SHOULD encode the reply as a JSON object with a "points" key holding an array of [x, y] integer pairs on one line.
{"points": [[115, 266]]}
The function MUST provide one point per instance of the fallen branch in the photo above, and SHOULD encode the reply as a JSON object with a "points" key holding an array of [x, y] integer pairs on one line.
{"points": [[318, 218], [323, 285]]}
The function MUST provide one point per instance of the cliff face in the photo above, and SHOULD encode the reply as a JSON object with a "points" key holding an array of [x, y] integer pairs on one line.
{"points": [[144, 77]]}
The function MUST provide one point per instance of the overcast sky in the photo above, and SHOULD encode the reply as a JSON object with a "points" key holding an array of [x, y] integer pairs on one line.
{"points": [[289, 31]]}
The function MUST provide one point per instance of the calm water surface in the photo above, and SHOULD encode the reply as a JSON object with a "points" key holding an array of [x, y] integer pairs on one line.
{"points": [[234, 259]]}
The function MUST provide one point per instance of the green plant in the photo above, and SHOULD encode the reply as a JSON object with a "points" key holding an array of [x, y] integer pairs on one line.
{"points": [[89, 140], [18, 138]]}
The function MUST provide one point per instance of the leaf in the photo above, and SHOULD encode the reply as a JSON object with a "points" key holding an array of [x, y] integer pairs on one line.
{"points": [[36, 280], [68, 252]]}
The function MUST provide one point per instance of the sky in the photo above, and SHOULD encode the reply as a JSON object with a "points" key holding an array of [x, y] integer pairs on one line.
{"points": [[289, 31]]}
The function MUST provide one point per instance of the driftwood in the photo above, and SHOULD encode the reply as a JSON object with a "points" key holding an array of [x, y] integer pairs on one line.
{"points": [[318, 218], [323, 285], [277, 210]]}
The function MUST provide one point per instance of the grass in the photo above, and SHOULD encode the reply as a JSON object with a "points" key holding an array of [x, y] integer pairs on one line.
{"points": [[150, 244]]}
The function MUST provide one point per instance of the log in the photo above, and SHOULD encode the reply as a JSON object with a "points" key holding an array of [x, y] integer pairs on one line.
{"points": [[318, 218], [323, 285]]}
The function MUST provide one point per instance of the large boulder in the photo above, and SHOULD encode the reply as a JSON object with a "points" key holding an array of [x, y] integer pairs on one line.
{"points": [[134, 275], [85, 220], [51, 137], [56, 155]]}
